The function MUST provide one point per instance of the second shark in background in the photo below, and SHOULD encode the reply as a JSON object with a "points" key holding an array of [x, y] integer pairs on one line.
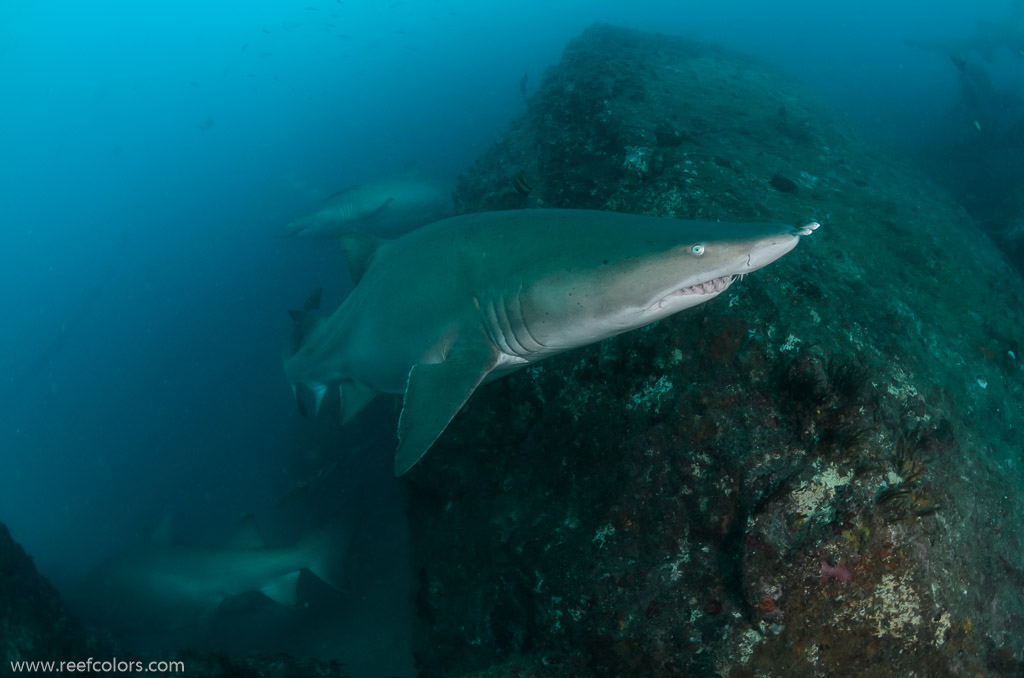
{"points": [[387, 207]]}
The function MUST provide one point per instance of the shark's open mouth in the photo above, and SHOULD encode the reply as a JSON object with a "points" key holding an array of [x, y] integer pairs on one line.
{"points": [[713, 286], [710, 287]]}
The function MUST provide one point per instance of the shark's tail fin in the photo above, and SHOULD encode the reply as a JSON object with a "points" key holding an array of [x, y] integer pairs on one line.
{"points": [[326, 548]]}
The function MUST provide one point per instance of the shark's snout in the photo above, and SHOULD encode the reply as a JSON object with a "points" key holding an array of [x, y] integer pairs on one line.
{"points": [[484, 309], [773, 248]]}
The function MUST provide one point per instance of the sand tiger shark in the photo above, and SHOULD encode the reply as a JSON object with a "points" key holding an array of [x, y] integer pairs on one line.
{"points": [[389, 207], [160, 586], [463, 301]]}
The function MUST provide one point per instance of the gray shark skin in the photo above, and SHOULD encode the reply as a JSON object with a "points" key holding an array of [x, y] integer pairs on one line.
{"points": [[160, 587], [387, 208], [463, 301]]}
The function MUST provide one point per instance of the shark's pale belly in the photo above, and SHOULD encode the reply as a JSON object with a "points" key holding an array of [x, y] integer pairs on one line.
{"points": [[467, 300]]}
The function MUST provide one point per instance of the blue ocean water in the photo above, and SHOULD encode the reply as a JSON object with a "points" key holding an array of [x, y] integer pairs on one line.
{"points": [[150, 152]]}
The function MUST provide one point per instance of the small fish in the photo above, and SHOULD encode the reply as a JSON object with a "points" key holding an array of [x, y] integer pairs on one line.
{"points": [[246, 45], [521, 185], [193, 83], [267, 31], [285, 26]]}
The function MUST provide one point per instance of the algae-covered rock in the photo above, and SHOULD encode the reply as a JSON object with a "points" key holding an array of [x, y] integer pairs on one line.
{"points": [[34, 623], [816, 474]]}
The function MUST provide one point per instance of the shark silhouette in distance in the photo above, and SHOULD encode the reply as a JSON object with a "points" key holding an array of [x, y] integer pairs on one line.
{"points": [[463, 301], [987, 39], [995, 117], [387, 208], [161, 587]]}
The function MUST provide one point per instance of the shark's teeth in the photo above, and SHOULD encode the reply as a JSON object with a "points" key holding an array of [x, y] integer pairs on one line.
{"points": [[709, 287]]}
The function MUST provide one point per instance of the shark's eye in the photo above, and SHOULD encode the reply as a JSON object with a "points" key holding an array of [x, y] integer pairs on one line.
{"points": [[697, 249]]}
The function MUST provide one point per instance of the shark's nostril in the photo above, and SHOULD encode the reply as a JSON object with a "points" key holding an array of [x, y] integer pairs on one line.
{"points": [[574, 277]]}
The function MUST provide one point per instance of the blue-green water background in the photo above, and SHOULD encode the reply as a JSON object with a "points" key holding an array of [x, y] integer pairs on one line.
{"points": [[149, 152]]}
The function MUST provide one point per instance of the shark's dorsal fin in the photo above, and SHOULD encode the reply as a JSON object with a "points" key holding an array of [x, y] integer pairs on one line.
{"points": [[359, 249], [344, 190], [246, 535], [434, 395], [161, 535]]}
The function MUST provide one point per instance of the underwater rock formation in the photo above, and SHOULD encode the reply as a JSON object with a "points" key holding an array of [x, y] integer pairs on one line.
{"points": [[819, 471], [36, 626], [34, 623]]}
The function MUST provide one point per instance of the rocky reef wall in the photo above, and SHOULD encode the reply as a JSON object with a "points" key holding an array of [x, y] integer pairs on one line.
{"points": [[817, 472]]}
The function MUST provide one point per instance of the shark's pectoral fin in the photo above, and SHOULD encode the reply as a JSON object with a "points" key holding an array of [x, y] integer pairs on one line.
{"points": [[354, 398], [433, 396], [326, 548], [282, 589], [359, 249]]}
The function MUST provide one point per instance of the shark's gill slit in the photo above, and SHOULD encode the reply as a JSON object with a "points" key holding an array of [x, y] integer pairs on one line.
{"points": [[534, 344], [472, 305]]}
